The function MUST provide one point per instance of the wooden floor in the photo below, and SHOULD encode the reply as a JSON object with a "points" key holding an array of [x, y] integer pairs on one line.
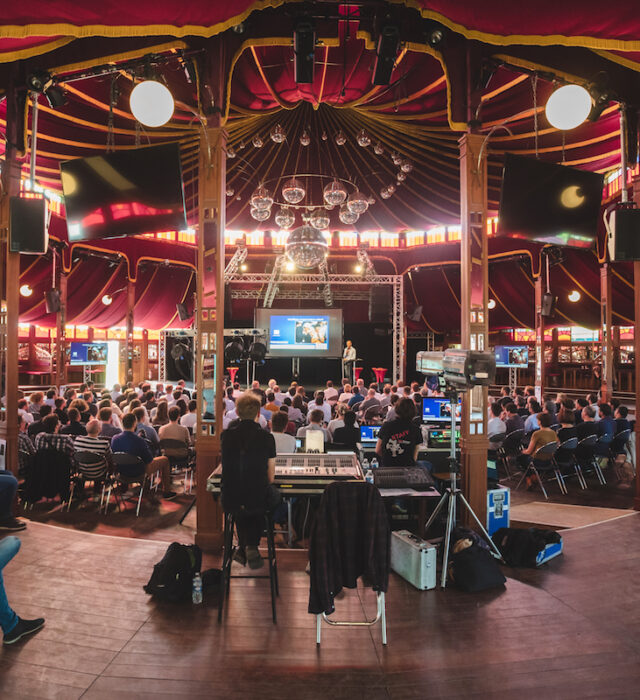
{"points": [[569, 630]]}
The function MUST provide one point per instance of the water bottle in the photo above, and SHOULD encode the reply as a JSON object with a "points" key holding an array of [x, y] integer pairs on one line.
{"points": [[365, 464], [196, 589], [368, 476], [374, 463]]}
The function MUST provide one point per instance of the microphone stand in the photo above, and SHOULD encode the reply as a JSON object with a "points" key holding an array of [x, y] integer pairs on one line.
{"points": [[453, 493]]}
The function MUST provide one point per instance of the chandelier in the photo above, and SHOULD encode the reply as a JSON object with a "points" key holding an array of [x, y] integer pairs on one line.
{"points": [[306, 247]]}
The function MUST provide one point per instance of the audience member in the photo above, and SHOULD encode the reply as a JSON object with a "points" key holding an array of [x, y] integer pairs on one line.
{"points": [[38, 425], [348, 435], [50, 438], [174, 431], [320, 404], [74, 426], [495, 425], [285, 444], [531, 423], [513, 420], [316, 418], [399, 439], [190, 419]]}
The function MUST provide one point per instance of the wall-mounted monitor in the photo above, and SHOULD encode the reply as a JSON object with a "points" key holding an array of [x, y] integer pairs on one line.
{"points": [[511, 355], [88, 354], [124, 193], [302, 332], [438, 410], [544, 202]]}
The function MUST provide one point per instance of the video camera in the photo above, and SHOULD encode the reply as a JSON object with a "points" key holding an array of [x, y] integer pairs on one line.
{"points": [[460, 369]]}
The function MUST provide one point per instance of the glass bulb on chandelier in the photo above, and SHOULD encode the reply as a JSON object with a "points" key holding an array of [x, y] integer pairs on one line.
{"points": [[319, 219], [260, 214], [335, 193], [261, 199], [231, 153], [305, 138], [285, 218], [396, 158], [384, 193], [347, 216], [293, 191], [341, 139], [363, 139], [357, 203], [306, 247], [378, 149], [401, 176], [406, 166], [230, 191], [257, 142], [278, 134]]}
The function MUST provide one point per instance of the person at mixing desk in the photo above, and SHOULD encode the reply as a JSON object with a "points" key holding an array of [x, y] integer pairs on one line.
{"points": [[399, 439]]}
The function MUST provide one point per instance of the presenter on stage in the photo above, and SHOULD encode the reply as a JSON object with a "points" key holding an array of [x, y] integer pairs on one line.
{"points": [[348, 360]]}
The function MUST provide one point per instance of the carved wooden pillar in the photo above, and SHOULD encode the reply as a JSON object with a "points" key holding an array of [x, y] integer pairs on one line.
{"points": [[144, 356], [636, 345], [540, 368], [474, 316], [61, 322], [606, 320], [131, 302]]}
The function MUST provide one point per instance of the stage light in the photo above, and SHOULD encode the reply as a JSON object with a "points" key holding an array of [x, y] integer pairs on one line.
{"points": [[386, 52], [492, 304], [358, 268], [289, 266], [243, 267], [56, 96], [574, 296], [257, 352], [151, 103], [304, 49], [568, 107], [25, 290], [39, 81], [233, 351], [107, 299]]}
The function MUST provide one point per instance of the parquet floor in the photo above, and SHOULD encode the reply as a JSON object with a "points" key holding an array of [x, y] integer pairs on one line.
{"points": [[569, 630]]}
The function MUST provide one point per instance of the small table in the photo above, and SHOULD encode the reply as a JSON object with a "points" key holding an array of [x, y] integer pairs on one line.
{"points": [[232, 373], [422, 504], [380, 373]]}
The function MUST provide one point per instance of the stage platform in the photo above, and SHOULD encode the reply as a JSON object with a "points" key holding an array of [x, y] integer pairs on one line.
{"points": [[569, 630]]}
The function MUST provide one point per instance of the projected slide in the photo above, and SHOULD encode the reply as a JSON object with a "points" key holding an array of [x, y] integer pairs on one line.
{"points": [[512, 355], [306, 333], [88, 354]]}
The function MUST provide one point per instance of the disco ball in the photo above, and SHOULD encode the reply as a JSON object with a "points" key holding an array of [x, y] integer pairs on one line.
{"points": [[324, 136], [257, 142], [293, 191], [401, 176], [347, 216], [378, 149], [335, 193], [260, 214], [392, 188], [363, 139], [242, 145], [306, 247], [278, 134], [357, 203], [305, 138], [396, 158], [341, 139], [406, 166], [285, 218], [261, 198], [319, 219], [385, 193]]}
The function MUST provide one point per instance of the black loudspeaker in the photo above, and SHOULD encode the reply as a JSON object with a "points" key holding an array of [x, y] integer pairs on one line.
{"points": [[178, 357], [183, 314], [380, 305], [624, 242], [386, 53], [304, 49], [227, 304], [52, 301], [28, 226], [548, 305]]}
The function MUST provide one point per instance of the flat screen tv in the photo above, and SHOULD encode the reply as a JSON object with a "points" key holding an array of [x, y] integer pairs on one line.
{"points": [[548, 203], [302, 332], [124, 193], [511, 355], [88, 354], [438, 410]]}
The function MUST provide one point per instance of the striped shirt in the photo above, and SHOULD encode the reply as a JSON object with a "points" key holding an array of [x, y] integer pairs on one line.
{"points": [[98, 445]]}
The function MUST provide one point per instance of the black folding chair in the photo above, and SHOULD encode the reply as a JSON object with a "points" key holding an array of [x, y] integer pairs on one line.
{"points": [[564, 459], [586, 457], [511, 447], [93, 467], [124, 459], [180, 457], [538, 466]]}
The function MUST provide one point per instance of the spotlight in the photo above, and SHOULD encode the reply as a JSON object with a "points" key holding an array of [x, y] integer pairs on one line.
{"points": [[233, 351], [56, 96], [25, 290], [574, 296], [39, 81], [243, 267], [386, 52], [289, 266], [358, 268], [304, 48], [601, 101], [257, 352], [151, 103], [568, 107], [436, 35], [492, 304], [107, 299]]}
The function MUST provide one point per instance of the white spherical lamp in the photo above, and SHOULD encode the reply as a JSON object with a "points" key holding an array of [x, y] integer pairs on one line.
{"points": [[568, 107], [151, 103]]}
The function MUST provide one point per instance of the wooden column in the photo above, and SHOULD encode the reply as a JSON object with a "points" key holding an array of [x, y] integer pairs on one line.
{"points": [[61, 322], [636, 347], [144, 356], [9, 285], [474, 316], [131, 302], [540, 369], [606, 320]]}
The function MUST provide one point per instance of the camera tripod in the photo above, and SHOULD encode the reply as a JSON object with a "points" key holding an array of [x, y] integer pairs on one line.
{"points": [[451, 496]]}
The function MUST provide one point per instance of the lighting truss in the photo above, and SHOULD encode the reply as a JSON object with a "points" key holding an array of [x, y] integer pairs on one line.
{"points": [[369, 271], [326, 289], [234, 264], [272, 281], [338, 295]]}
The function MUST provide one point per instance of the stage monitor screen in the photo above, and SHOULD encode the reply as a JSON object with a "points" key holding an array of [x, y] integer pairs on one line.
{"points": [[547, 203], [512, 355], [124, 193], [438, 410], [302, 332], [369, 433], [88, 354]]}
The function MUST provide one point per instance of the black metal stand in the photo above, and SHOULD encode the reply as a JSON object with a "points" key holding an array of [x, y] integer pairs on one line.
{"points": [[451, 495]]}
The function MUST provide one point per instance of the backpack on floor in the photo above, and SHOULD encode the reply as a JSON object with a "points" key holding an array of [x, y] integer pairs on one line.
{"points": [[473, 568], [172, 576], [520, 547]]}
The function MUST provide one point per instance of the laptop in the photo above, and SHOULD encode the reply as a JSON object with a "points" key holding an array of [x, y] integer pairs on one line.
{"points": [[369, 435]]}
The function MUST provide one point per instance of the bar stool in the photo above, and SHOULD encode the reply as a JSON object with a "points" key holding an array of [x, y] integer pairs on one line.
{"points": [[356, 372], [380, 373], [232, 373], [230, 548]]}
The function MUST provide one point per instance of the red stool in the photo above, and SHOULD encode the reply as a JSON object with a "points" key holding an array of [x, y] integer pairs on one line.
{"points": [[380, 373], [232, 373], [356, 372]]}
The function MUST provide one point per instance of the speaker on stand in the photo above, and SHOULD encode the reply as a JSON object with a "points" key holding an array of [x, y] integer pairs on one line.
{"points": [[380, 302]]}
